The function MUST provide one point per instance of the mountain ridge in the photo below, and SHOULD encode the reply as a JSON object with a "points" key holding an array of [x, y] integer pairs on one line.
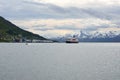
{"points": [[110, 36]]}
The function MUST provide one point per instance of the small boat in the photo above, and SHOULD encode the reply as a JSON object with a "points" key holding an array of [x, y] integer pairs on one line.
{"points": [[72, 40], [26, 43]]}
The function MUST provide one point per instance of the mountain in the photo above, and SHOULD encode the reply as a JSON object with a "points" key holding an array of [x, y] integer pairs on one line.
{"points": [[10, 32], [110, 36]]}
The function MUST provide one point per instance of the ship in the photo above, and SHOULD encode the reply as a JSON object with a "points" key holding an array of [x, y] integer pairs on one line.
{"points": [[72, 40]]}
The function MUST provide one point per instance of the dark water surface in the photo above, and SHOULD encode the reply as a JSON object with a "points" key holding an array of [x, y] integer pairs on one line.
{"points": [[83, 61]]}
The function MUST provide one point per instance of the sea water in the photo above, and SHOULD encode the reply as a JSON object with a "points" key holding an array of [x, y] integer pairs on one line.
{"points": [[59, 61]]}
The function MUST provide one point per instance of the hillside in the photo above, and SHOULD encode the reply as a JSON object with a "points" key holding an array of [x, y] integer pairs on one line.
{"points": [[10, 32]]}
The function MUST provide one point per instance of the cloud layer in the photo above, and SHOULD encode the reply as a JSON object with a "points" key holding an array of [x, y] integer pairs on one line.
{"points": [[59, 17]]}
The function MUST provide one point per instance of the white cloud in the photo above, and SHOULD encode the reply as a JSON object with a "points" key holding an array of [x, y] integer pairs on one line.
{"points": [[59, 17], [45, 9], [53, 27], [80, 3]]}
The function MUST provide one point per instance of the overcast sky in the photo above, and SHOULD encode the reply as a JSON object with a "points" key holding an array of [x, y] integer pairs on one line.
{"points": [[51, 18]]}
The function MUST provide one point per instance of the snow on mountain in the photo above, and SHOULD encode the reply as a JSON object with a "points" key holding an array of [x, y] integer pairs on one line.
{"points": [[93, 36], [109, 34]]}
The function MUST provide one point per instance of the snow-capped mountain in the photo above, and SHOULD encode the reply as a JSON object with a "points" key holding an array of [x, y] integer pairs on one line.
{"points": [[96, 36], [109, 34]]}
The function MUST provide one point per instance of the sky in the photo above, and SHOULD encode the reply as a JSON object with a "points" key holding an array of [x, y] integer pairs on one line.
{"points": [[52, 18]]}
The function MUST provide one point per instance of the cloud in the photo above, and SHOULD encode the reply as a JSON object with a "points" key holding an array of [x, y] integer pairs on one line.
{"points": [[55, 27], [51, 17], [79, 3], [29, 9]]}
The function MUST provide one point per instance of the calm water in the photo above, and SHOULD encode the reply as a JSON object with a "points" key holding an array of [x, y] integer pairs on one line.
{"points": [[83, 61]]}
